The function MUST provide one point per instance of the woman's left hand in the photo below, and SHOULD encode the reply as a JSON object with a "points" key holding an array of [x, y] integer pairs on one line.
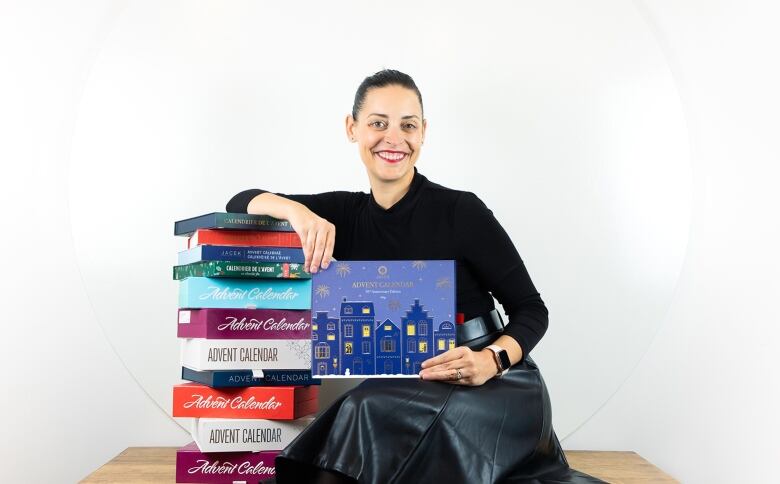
{"points": [[476, 367]]}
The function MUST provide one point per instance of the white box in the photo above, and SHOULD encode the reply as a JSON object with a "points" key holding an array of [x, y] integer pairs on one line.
{"points": [[245, 435], [246, 354]]}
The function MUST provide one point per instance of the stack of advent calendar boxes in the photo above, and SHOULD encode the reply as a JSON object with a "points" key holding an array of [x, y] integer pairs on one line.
{"points": [[245, 326]]}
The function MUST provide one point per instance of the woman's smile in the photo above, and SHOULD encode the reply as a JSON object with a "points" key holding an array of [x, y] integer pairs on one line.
{"points": [[391, 156]]}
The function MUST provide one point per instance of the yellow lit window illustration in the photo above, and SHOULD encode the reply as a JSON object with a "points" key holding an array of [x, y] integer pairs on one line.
{"points": [[423, 347], [388, 327], [452, 343], [314, 327], [331, 337], [410, 329], [348, 348], [366, 330], [440, 344], [366, 310]]}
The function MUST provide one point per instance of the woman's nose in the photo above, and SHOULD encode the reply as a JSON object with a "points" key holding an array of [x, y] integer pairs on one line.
{"points": [[393, 136]]}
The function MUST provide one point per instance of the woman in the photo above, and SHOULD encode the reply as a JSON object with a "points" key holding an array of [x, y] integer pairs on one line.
{"points": [[466, 419]]}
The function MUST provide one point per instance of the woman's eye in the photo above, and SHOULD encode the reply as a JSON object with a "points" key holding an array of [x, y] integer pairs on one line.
{"points": [[377, 124], [410, 126]]}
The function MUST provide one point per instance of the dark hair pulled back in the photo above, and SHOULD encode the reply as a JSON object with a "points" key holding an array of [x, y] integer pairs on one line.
{"points": [[385, 77]]}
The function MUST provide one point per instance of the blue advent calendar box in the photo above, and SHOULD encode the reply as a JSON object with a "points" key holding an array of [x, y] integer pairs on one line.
{"points": [[381, 318]]}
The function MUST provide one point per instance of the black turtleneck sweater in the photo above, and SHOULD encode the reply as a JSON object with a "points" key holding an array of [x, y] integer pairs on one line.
{"points": [[434, 222]]}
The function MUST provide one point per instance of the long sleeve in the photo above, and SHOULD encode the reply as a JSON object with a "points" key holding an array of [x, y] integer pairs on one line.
{"points": [[240, 201], [333, 206], [493, 258], [337, 207]]}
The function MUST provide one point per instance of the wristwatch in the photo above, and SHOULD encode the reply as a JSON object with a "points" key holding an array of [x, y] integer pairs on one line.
{"points": [[502, 359]]}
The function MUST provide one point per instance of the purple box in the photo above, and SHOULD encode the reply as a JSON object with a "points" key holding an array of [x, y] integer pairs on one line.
{"points": [[223, 467], [244, 323], [381, 318]]}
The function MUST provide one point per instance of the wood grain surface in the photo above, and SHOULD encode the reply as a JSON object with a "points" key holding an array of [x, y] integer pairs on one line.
{"points": [[157, 464]]}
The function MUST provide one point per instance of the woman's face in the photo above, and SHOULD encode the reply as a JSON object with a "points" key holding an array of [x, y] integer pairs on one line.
{"points": [[389, 131]]}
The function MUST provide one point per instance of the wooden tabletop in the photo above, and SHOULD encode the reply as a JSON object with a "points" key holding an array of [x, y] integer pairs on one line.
{"points": [[157, 464]]}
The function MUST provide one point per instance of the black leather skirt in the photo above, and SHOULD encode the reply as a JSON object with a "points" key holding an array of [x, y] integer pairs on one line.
{"points": [[409, 431]]}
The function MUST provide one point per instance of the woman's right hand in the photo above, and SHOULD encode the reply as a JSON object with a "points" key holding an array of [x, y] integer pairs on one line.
{"points": [[318, 237]]}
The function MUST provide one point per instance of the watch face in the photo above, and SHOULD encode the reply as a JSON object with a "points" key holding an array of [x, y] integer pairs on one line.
{"points": [[503, 357]]}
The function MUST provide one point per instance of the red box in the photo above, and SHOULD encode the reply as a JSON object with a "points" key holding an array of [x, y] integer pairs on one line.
{"points": [[274, 403]]}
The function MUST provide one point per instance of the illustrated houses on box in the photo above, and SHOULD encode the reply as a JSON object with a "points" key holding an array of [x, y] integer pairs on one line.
{"points": [[355, 337]]}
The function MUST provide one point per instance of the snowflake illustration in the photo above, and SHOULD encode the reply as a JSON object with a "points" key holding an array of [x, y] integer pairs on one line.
{"points": [[322, 291], [342, 269], [294, 267], [419, 264], [394, 305], [301, 349], [443, 282]]}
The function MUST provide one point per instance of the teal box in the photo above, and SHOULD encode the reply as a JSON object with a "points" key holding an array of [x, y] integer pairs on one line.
{"points": [[207, 292]]}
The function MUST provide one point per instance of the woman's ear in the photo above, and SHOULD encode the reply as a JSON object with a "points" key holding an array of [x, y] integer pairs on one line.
{"points": [[350, 126], [424, 128]]}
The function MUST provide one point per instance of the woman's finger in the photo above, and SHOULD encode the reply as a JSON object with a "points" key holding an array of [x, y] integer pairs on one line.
{"points": [[308, 248], [449, 355], [448, 365], [451, 376], [319, 248], [329, 244]]}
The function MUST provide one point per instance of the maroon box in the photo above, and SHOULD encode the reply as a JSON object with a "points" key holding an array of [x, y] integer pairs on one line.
{"points": [[223, 467], [244, 323]]}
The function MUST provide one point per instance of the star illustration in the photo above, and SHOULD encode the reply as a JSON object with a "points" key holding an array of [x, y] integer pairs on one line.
{"points": [[342, 269], [322, 291], [443, 282]]}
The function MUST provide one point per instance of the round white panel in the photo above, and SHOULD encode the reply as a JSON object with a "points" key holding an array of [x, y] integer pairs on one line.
{"points": [[562, 116]]}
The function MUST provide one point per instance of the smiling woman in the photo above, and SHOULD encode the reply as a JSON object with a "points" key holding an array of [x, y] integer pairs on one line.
{"points": [[389, 131], [476, 414]]}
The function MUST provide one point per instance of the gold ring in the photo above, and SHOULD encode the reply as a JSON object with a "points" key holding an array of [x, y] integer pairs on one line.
{"points": [[459, 375]]}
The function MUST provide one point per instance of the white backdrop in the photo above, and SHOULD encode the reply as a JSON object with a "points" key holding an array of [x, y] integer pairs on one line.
{"points": [[566, 125], [122, 117]]}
